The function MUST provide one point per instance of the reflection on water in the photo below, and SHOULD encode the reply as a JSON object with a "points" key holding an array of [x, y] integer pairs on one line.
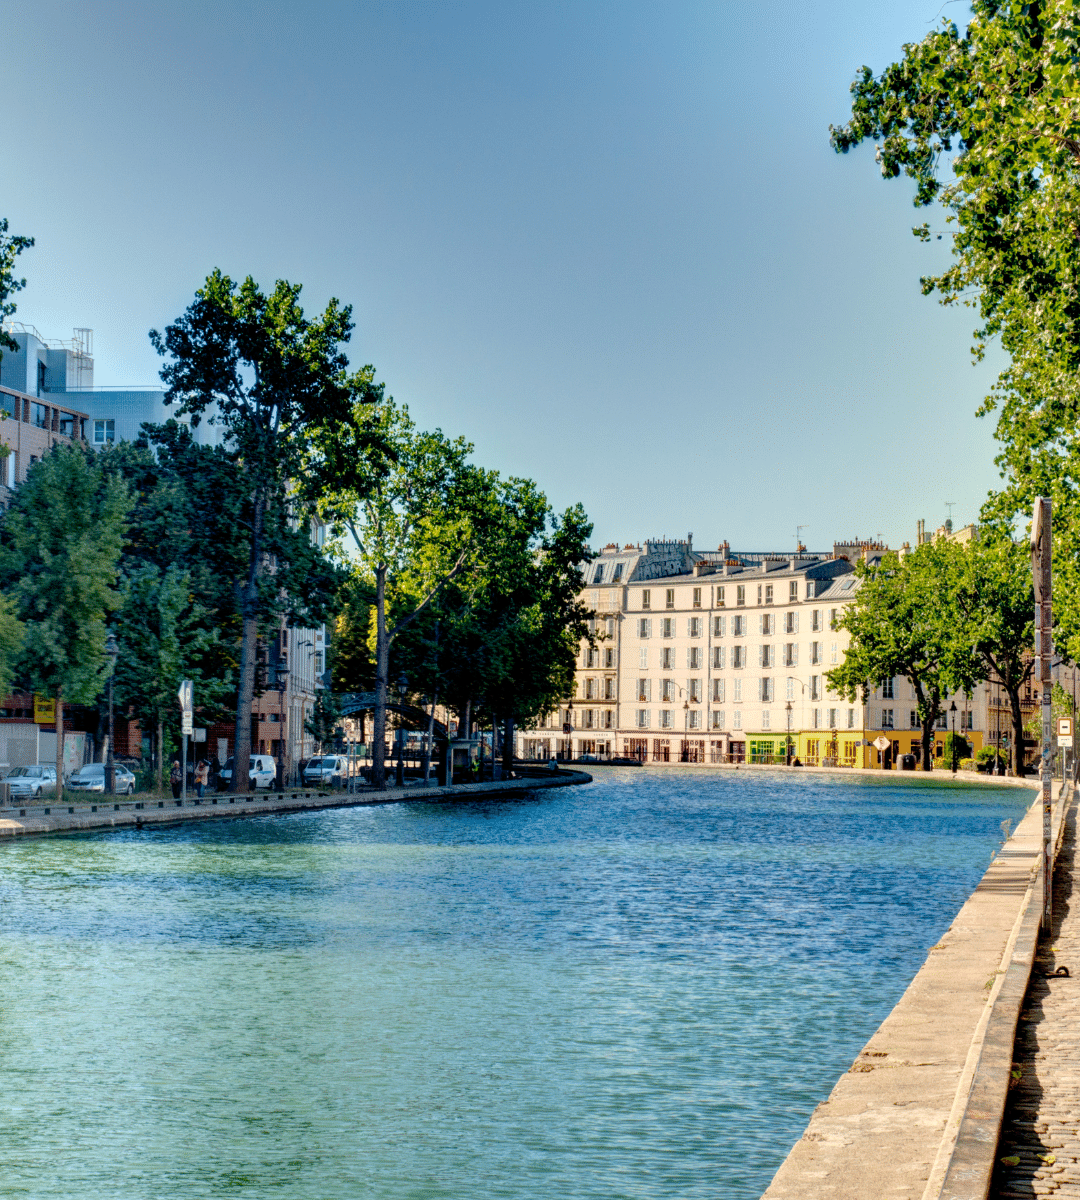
{"points": [[639, 988]]}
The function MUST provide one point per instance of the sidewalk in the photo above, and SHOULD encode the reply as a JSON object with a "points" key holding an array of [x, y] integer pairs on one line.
{"points": [[1039, 1150]]}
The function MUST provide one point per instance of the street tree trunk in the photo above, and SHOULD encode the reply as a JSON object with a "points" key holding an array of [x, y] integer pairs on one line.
{"points": [[927, 743], [508, 748], [1016, 751], [158, 767], [249, 613], [60, 746], [430, 739], [382, 671]]}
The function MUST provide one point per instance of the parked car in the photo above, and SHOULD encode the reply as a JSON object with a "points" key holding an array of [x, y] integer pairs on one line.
{"points": [[262, 771], [331, 770], [91, 778], [31, 782]]}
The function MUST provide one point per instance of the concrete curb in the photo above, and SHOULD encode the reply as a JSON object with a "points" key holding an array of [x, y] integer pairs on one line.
{"points": [[889, 1127], [971, 1164], [125, 815]]}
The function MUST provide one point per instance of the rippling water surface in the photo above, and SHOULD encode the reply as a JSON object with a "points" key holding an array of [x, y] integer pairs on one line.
{"points": [[639, 988]]}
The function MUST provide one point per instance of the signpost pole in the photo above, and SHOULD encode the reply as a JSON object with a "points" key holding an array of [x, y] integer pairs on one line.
{"points": [[1040, 569], [186, 694]]}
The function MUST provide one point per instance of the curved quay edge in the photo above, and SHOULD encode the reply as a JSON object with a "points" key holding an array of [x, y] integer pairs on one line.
{"points": [[134, 813], [919, 1112]]}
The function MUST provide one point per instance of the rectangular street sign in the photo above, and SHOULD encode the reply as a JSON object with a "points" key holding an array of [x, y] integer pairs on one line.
{"points": [[1065, 741], [1064, 728], [200, 735], [185, 723], [186, 695]]}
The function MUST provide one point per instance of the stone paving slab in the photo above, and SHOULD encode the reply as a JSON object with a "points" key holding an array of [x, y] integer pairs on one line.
{"points": [[1041, 1129]]}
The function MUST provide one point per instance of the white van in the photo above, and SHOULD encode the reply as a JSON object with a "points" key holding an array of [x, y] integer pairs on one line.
{"points": [[262, 771]]}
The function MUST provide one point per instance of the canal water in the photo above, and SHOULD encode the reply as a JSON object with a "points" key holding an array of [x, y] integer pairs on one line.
{"points": [[639, 988]]}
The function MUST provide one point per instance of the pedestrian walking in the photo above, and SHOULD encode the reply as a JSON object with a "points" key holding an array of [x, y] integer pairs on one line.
{"points": [[202, 776], [175, 778]]}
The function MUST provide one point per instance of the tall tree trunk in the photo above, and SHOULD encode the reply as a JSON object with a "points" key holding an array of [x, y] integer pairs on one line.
{"points": [[927, 743], [249, 613], [60, 746], [508, 748], [1017, 749], [158, 767], [382, 671], [430, 739]]}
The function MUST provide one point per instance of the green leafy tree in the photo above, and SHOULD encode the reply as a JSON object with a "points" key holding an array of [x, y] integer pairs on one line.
{"points": [[11, 246], [12, 637], [415, 524], [903, 622], [324, 721], [164, 636], [60, 545], [279, 383], [985, 121], [995, 606]]}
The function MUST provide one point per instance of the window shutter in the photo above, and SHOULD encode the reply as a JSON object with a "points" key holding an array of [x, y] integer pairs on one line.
{"points": [[648, 626], [761, 656], [648, 690], [796, 623]]}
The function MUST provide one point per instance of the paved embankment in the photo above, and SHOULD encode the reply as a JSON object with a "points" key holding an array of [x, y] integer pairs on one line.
{"points": [[136, 813], [919, 1110], [1039, 1151]]}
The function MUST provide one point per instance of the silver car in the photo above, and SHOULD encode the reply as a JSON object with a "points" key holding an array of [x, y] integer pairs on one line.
{"points": [[91, 778], [31, 783], [331, 770]]}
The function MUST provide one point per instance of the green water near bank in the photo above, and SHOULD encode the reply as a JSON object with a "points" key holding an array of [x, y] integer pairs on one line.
{"points": [[639, 988]]}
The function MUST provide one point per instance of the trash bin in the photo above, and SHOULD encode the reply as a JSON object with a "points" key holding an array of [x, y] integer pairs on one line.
{"points": [[907, 762]]}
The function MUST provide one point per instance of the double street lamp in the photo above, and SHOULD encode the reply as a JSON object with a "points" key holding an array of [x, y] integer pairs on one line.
{"points": [[112, 653]]}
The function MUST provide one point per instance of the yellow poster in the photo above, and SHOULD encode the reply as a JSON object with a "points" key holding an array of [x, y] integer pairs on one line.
{"points": [[44, 710]]}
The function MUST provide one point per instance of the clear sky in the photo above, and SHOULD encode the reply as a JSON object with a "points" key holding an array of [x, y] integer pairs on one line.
{"points": [[607, 242]]}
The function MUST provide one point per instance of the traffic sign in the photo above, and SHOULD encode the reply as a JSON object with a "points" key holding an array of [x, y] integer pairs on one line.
{"points": [[882, 742], [1065, 741], [186, 695], [567, 727], [1064, 728], [186, 722]]}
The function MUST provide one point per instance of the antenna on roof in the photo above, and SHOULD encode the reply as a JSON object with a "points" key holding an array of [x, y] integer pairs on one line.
{"points": [[799, 547], [950, 505]]}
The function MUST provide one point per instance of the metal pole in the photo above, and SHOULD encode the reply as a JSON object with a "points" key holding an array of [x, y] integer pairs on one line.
{"points": [[183, 766], [110, 771], [1040, 546]]}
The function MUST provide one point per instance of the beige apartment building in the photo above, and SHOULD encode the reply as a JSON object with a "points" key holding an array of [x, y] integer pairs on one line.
{"points": [[721, 657]]}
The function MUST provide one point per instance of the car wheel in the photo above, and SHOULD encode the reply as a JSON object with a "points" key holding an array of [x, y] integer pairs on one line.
{"points": [[131, 789], [37, 794]]}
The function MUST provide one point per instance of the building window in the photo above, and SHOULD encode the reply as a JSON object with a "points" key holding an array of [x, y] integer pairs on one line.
{"points": [[668, 627], [809, 589], [609, 689], [609, 719], [967, 720], [590, 689], [832, 617], [815, 687], [609, 627], [790, 689], [718, 690], [719, 597], [599, 574], [740, 594], [767, 656], [695, 719], [695, 691], [738, 657], [589, 717], [764, 718], [667, 658], [697, 597], [644, 627], [718, 719], [609, 657], [592, 657], [915, 720], [766, 691], [815, 653], [736, 720], [817, 718], [791, 622], [793, 590], [693, 627], [669, 598], [887, 690], [39, 416], [104, 431], [832, 718], [665, 718], [644, 690], [759, 593], [887, 719], [643, 658], [851, 718], [694, 658], [618, 573], [768, 593], [643, 718], [646, 598], [738, 691], [718, 658], [815, 620], [719, 626], [738, 626], [791, 654]]}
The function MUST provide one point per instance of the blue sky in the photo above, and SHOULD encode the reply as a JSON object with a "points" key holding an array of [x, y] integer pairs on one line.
{"points": [[607, 242]]}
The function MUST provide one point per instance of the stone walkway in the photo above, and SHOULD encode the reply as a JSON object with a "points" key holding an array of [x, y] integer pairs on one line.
{"points": [[1039, 1151]]}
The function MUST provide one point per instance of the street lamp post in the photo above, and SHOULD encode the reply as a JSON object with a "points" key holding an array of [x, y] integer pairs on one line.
{"points": [[952, 710], [789, 710], [402, 686], [568, 730], [112, 653], [685, 731]]}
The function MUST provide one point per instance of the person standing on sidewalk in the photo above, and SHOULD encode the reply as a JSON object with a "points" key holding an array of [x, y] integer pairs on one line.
{"points": [[175, 778], [202, 776]]}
